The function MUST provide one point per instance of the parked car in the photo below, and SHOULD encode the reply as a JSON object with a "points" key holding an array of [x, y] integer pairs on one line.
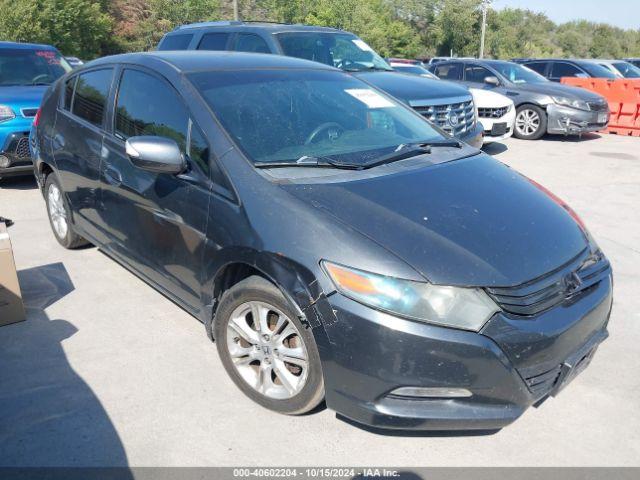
{"points": [[495, 112], [333, 242], [620, 68], [26, 70], [446, 104], [556, 68], [633, 61], [541, 106], [435, 60], [74, 61]]}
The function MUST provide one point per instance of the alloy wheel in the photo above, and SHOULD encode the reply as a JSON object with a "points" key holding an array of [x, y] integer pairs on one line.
{"points": [[527, 122], [267, 350], [57, 212]]}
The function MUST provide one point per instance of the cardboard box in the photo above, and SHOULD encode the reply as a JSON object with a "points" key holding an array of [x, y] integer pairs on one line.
{"points": [[11, 308]]}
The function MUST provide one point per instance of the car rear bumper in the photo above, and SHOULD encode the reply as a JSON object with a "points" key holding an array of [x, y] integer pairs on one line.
{"points": [[565, 120], [510, 365]]}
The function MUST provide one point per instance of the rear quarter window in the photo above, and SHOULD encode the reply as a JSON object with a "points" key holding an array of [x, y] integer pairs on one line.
{"points": [[176, 42]]}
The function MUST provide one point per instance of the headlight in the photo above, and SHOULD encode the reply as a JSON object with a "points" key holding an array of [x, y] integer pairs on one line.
{"points": [[464, 308], [579, 104], [6, 113]]}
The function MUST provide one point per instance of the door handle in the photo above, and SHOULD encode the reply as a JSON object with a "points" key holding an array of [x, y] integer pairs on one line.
{"points": [[112, 176]]}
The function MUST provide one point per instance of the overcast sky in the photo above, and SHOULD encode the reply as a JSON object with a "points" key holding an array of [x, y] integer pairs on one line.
{"points": [[622, 13]]}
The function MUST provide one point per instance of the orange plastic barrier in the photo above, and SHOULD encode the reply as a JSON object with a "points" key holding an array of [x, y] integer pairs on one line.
{"points": [[623, 96]]}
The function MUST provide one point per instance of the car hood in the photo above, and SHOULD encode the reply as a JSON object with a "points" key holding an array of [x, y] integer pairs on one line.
{"points": [[488, 99], [552, 88], [469, 222], [21, 97], [412, 88]]}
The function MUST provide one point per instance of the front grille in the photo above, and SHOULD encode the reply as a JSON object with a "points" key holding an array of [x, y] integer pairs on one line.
{"points": [[22, 148], [598, 106], [29, 112], [543, 382], [492, 112], [453, 118], [561, 285]]}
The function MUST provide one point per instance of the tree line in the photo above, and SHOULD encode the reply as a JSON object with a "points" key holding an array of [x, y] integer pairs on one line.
{"points": [[406, 28]]}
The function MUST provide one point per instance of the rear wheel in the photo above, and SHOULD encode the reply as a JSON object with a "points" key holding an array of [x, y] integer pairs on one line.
{"points": [[531, 122], [59, 215], [266, 350]]}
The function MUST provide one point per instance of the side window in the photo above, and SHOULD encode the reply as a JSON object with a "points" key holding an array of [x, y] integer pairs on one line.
{"points": [[539, 67], [450, 71], [199, 149], [176, 42], [68, 92], [147, 105], [562, 69], [250, 42], [476, 73], [90, 99], [214, 41]]}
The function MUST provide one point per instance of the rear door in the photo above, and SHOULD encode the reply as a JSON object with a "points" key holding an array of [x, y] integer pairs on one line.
{"points": [[565, 69], [77, 143], [157, 221]]}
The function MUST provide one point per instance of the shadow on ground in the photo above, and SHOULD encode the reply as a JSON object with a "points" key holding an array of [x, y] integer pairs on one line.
{"points": [[19, 183], [48, 415]]}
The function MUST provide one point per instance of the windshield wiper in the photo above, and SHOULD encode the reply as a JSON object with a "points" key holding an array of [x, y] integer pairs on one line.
{"points": [[408, 150], [310, 161]]}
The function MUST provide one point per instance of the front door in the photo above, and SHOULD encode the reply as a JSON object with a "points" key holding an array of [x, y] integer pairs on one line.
{"points": [[157, 221]]}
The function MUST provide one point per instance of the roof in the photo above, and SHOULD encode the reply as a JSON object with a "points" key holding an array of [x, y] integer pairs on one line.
{"points": [[27, 46], [192, 60], [242, 25]]}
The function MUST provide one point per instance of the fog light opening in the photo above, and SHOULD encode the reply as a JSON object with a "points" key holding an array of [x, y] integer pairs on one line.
{"points": [[431, 392], [4, 161]]}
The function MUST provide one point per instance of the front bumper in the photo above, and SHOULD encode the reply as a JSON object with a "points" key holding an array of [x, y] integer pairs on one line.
{"points": [[14, 145], [496, 129], [506, 366], [568, 121]]}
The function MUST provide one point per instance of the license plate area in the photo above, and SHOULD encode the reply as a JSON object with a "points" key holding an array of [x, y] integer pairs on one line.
{"points": [[498, 129], [602, 118], [572, 367]]}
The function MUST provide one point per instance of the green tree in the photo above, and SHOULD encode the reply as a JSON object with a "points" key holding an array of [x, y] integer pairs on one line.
{"points": [[76, 27]]}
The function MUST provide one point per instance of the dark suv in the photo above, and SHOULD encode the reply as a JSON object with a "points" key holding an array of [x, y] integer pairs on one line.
{"points": [[447, 105], [556, 68], [333, 242]]}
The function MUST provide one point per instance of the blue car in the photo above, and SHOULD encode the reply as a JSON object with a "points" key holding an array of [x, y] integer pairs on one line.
{"points": [[26, 71]]}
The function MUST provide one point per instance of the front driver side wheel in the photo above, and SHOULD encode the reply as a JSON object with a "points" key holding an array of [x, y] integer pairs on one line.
{"points": [[531, 122], [266, 350]]}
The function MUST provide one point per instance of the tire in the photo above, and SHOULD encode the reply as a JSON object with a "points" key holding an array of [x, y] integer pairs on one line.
{"points": [[59, 214], [531, 122], [259, 367]]}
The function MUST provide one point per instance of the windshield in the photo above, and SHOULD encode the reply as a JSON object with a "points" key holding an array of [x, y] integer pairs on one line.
{"points": [[21, 66], [342, 50], [627, 69], [285, 115], [597, 71], [516, 73]]}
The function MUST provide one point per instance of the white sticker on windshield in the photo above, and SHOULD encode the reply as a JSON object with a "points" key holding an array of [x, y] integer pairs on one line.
{"points": [[370, 98], [361, 45]]}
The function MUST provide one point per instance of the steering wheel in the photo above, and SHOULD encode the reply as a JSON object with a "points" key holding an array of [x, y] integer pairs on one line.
{"points": [[345, 63], [325, 127], [40, 78]]}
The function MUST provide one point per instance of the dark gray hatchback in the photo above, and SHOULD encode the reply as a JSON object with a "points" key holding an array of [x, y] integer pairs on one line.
{"points": [[334, 243]]}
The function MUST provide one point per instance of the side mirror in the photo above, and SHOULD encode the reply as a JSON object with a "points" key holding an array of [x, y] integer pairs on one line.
{"points": [[155, 154], [492, 80]]}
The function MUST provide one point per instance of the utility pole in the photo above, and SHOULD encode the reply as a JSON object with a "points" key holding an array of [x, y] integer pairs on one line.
{"points": [[236, 15], [485, 8]]}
